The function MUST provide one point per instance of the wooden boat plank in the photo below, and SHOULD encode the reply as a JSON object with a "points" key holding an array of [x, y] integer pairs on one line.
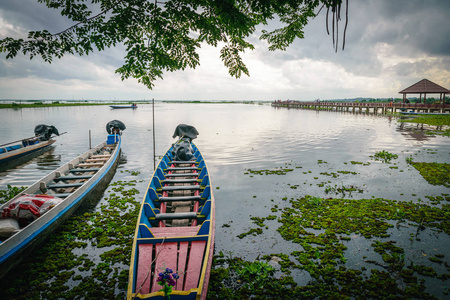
{"points": [[144, 268], [184, 180], [74, 177], [181, 198], [166, 258], [71, 189], [194, 264], [174, 231], [181, 168], [96, 160], [176, 216], [181, 174], [84, 170], [64, 185], [100, 155], [90, 165], [181, 187], [182, 258]]}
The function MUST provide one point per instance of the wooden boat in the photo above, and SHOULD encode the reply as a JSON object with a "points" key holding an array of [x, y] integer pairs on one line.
{"points": [[23, 225], [123, 106], [17, 152], [175, 229]]}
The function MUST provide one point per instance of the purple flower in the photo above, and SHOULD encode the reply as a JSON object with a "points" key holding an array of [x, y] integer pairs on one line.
{"points": [[171, 282], [175, 275]]}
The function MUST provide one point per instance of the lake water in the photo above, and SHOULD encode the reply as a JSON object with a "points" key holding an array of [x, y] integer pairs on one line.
{"points": [[237, 137]]}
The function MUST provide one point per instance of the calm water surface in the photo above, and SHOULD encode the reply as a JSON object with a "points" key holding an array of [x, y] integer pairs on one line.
{"points": [[237, 137]]}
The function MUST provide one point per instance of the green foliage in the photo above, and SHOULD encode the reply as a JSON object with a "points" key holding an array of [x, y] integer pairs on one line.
{"points": [[165, 36], [10, 192]]}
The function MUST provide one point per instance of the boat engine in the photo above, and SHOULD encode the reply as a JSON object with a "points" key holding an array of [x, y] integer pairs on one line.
{"points": [[44, 132]]}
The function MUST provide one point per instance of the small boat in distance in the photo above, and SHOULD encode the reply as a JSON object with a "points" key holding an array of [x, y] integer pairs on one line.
{"points": [[174, 239], [123, 106], [17, 152], [27, 219]]}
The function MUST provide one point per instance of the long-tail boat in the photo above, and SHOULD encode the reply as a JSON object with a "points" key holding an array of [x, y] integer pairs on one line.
{"points": [[17, 152], [27, 219], [133, 106], [175, 228]]}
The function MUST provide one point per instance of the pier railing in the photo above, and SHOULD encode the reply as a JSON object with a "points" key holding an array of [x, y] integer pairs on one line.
{"points": [[374, 107]]}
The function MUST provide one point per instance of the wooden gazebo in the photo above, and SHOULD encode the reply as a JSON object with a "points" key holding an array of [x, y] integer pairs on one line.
{"points": [[425, 87]]}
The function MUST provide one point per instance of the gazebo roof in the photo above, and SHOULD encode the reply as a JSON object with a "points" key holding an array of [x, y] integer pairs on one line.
{"points": [[424, 87]]}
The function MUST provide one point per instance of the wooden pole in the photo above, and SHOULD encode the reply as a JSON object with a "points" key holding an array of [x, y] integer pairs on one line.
{"points": [[90, 145], [154, 154]]}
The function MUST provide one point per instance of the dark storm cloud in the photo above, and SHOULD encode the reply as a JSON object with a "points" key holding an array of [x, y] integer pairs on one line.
{"points": [[31, 15], [419, 25], [409, 28]]}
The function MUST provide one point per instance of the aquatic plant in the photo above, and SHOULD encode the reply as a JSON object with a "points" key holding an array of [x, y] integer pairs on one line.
{"points": [[10, 192], [434, 173], [385, 156], [278, 171]]}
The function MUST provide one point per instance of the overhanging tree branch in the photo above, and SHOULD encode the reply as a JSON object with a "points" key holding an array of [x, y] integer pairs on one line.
{"points": [[165, 36]]}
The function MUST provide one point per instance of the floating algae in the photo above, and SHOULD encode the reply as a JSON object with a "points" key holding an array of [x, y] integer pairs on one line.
{"points": [[323, 228], [434, 173]]}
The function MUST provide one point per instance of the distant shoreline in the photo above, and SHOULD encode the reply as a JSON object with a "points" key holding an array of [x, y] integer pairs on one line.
{"points": [[47, 103]]}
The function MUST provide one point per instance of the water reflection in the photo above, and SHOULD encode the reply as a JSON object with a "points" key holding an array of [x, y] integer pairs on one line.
{"points": [[49, 160], [415, 131]]}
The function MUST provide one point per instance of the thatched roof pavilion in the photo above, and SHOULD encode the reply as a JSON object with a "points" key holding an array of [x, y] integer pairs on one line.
{"points": [[425, 87]]}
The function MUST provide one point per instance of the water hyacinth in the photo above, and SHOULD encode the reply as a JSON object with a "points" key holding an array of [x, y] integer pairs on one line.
{"points": [[167, 280]]}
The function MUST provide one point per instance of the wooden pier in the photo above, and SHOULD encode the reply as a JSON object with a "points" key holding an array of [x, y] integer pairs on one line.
{"points": [[366, 107]]}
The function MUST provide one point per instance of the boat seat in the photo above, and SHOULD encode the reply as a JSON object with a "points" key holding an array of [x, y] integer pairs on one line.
{"points": [[179, 188], [91, 164], [61, 195], [185, 198], [65, 185], [83, 170], [189, 180], [182, 174], [176, 216], [73, 177], [181, 169], [182, 162]]}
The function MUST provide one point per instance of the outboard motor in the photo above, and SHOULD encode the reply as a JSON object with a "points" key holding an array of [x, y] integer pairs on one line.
{"points": [[44, 132], [182, 150], [114, 128]]}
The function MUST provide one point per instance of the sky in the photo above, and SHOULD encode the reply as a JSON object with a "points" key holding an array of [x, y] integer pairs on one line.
{"points": [[390, 45]]}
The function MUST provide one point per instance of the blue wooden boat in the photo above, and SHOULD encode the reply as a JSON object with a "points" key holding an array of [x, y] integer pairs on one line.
{"points": [[18, 152], [175, 229], [61, 192], [123, 106]]}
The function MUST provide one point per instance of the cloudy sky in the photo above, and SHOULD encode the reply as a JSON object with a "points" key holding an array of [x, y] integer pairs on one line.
{"points": [[390, 45]]}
